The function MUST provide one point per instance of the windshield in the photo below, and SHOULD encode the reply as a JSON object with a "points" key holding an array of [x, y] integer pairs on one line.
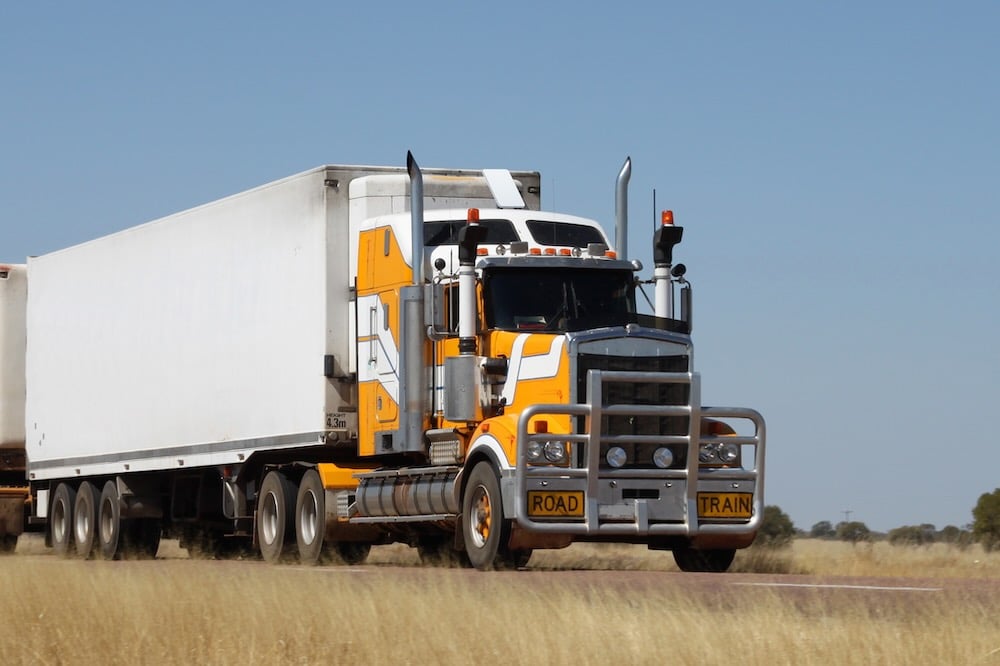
{"points": [[547, 232], [557, 299], [446, 232]]}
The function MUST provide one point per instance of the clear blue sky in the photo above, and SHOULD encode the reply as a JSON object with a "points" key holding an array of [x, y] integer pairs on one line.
{"points": [[835, 167]]}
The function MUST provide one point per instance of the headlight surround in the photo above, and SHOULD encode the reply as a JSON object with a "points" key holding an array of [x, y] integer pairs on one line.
{"points": [[663, 457], [721, 453], [616, 456]]}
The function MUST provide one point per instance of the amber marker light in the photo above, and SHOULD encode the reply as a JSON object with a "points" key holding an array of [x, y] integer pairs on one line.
{"points": [[667, 218], [472, 216]]}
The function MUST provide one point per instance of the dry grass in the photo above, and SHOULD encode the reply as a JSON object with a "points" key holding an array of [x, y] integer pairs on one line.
{"points": [[58, 612], [183, 611]]}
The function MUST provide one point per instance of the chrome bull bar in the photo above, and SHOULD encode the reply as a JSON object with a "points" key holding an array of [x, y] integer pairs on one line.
{"points": [[692, 476]]}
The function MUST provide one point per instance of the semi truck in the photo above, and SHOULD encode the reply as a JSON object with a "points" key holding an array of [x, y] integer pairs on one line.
{"points": [[360, 355]]}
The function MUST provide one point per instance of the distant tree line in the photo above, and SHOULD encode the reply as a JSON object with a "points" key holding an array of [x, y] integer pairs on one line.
{"points": [[777, 529]]}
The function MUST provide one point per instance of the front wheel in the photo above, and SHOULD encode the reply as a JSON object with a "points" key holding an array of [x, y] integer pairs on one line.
{"points": [[484, 526], [710, 561]]}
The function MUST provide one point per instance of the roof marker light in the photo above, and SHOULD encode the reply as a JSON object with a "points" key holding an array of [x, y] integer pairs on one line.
{"points": [[610, 254], [534, 250], [565, 251], [482, 251], [550, 251]]}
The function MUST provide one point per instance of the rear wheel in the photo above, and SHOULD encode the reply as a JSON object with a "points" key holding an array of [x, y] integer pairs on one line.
{"points": [[85, 520], [711, 561], [275, 516], [61, 519], [310, 518], [109, 518], [8, 542]]}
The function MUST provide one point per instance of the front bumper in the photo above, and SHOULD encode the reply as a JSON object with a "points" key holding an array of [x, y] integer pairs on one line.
{"points": [[644, 504]]}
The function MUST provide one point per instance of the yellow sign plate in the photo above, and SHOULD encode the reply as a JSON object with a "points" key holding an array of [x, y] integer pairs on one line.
{"points": [[555, 503], [725, 505]]}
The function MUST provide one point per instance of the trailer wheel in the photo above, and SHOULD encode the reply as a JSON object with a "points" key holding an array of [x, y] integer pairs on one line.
{"points": [[109, 518], [485, 529], [710, 561], [85, 520], [61, 519], [310, 518], [275, 516]]}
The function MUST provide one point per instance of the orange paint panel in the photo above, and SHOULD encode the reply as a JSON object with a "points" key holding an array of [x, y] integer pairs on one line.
{"points": [[336, 477], [377, 269]]}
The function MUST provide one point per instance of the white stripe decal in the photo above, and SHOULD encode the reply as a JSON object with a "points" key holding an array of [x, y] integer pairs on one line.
{"points": [[385, 369], [536, 366]]}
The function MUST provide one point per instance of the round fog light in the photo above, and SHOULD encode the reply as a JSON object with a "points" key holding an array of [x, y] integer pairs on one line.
{"points": [[663, 458], [616, 456]]}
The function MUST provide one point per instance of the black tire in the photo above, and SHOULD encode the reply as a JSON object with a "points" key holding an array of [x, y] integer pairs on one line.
{"points": [[705, 561], [85, 520], [516, 559], [352, 552], [439, 551], [310, 518], [109, 519], [275, 517], [142, 538], [8, 543], [485, 529], [61, 519]]}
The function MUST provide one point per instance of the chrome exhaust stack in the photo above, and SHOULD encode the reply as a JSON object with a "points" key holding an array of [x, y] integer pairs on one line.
{"points": [[621, 209]]}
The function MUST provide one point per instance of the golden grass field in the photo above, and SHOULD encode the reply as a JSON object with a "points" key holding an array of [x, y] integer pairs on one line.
{"points": [[178, 611]]}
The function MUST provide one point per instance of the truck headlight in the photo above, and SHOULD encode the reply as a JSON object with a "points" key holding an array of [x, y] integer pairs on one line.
{"points": [[534, 452], [663, 457], [728, 453], [719, 454], [706, 453], [616, 456], [555, 451]]}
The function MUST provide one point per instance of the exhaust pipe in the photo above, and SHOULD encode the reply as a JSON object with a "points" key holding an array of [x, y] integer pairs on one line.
{"points": [[621, 209], [411, 311], [416, 218]]}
